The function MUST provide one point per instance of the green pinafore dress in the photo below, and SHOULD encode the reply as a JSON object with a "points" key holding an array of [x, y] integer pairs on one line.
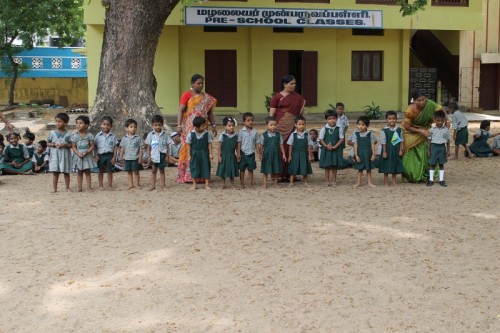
{"points": [[228, 168], [393, 162], [331, 158], [271, 157], [364, 152], [200, 158], [300, 164]]}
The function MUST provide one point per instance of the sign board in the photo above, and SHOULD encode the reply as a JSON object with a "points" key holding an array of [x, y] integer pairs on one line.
{"points": [[284, 17]]}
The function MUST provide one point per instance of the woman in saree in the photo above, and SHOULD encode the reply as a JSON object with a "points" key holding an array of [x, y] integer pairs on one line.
{"points": [[419, 117], [286, 105], [194, 102]]}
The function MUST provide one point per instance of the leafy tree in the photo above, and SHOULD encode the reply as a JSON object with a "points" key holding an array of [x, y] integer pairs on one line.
{"points": [[26, 20], [126, 86]]}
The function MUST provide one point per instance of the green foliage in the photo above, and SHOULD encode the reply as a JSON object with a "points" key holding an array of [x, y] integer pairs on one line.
{"points": [[410, 9], [28, 20], [267, 102], [372, 111]]}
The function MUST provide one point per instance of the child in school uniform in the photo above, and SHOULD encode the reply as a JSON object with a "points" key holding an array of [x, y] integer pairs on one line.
{"points": [[106, 148], [157, 143], [313, 135], [300, 152], [131, 153], [29, 139], [83, 149], [331, 138], [174, 149], [364, 150], [199, 143], [460, 132], [391, 139], [480, 146], [247, 142], [227, 151], [342, 121], [59, 144], [496, 146], [271, 152], [16, 157], [439, 147], [40, 158]]}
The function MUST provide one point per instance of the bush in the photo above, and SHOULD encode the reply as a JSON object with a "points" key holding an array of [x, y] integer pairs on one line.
{"points": [[372, 111]]}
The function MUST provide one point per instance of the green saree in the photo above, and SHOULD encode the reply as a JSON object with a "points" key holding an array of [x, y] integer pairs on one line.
{"points": [[415, 162]]}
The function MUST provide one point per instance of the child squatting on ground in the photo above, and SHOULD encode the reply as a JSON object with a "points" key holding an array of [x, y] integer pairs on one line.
{"points": [[59, 143], [17, 160], [439, 147], [271, 152], [131, 153], [106, 148], [199, 143], [40, 157]]}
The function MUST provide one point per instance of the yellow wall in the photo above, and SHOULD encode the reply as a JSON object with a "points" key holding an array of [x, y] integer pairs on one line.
{"points": [[46, 88], [181, 49], [450, 39]]}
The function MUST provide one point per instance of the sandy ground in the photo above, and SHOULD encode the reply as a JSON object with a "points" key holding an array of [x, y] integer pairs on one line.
{"points": [[404, 259]]}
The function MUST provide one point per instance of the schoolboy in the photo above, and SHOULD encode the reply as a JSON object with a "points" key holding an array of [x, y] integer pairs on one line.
{"points": [[460, 131], [247, 141], [157, 143], [131, 153], [174, 149], [106, 146], [439, 147]]}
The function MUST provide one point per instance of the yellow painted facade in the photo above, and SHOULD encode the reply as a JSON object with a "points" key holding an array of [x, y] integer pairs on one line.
{"points": [[181, 49], [27, 89]]}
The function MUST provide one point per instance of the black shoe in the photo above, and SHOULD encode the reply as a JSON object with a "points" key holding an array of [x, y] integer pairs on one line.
{"points": [[443, 184], [430, 183]]}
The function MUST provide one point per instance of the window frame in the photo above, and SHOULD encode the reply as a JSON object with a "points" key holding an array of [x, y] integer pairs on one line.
{"points": [[361, 68]]}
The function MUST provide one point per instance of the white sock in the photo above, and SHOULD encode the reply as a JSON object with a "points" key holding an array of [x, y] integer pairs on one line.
{"points": [[431, 175], [441, 175]]}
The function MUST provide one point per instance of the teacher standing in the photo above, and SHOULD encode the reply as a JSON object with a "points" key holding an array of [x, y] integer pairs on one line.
{"points": [[194, 102], [419, 117], [286, 105]]}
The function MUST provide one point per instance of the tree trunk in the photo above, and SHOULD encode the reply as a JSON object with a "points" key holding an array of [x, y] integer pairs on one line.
{"points": [[15, 73], [126, 81]]}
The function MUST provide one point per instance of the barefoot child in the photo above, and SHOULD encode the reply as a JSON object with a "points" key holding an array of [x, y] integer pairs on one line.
{"points": [[247, 141], [480, 146], [342, 121], [17, 159], [391, 139], [106, 147], [59, 143], [29, 138], [199, 143], [131, 153], [460, 132], [331, 138], [228, 147], [157, 143], [40, 158], [83, 149], [271, 152], [364, 150], [300, 152], [439, 147]]}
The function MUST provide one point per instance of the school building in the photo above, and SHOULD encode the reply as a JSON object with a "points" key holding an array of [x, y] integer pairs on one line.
{"points": [[52, 73], [354, 51]]}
